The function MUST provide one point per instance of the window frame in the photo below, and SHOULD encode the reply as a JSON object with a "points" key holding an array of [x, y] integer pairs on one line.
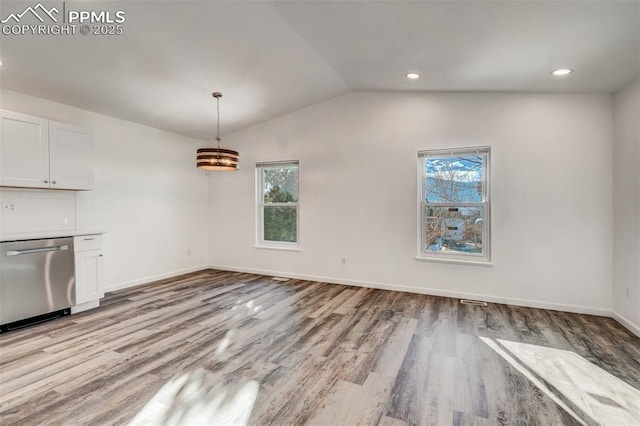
{"points": [[260, 206], [483, 258]]}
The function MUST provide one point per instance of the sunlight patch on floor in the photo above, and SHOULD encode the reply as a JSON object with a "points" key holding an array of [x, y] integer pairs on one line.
{"points": [[225, 342], [585, 391], [197, 398]]}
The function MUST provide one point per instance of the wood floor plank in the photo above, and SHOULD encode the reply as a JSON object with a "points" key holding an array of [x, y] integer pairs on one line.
{"points": [[330, 306], [24, 393], [390, 421], [349, 304], [318, 353]]}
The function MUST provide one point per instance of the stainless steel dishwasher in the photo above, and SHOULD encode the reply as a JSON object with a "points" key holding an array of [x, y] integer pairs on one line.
{"points": [[36, 278]]}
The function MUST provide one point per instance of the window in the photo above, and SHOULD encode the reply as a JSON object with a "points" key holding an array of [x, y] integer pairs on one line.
{"points": [[278, 202], [454, 204]]}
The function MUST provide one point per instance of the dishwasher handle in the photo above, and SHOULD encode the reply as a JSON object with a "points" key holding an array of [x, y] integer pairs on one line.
{"points": [[36, 250]]}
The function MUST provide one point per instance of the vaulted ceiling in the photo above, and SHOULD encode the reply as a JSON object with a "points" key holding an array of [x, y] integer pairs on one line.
{"points": [[270, 57]]}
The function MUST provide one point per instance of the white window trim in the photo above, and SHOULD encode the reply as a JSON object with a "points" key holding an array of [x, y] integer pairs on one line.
{"points": [[273, 246], [483, 259], [261, 243]]}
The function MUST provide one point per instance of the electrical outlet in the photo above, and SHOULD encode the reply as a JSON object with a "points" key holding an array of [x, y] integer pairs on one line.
{"points": [[8, 206], [343, 260]]}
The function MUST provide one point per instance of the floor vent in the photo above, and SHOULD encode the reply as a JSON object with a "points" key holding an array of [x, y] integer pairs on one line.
{"points": [[473, 302], [281, 279]]}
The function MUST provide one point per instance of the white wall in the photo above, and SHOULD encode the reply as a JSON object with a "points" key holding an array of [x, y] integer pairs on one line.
{"points": [[626, 248], [35, 210], [552, 169], [149, 197], [552, 201]]}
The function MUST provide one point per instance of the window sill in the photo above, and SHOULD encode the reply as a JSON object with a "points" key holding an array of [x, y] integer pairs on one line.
{"points": [[282, 248], [455, 261]]}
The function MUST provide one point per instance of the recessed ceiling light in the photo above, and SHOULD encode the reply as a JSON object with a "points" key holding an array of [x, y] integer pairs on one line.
{"points": [[412, 75], [561, 72]]}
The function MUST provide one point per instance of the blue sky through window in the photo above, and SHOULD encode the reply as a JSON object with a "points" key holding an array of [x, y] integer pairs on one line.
{"points": [[456, 179]]}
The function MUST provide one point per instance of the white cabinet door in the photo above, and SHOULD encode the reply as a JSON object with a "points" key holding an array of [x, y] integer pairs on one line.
{"points": [[70, 151], [24, 150], [88, 272]]}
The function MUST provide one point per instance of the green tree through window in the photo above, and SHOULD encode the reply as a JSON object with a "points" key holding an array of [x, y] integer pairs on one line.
{"points": [[279, 202]]}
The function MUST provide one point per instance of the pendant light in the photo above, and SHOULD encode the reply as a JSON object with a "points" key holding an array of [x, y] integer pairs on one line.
{"points": [[217, 159]]}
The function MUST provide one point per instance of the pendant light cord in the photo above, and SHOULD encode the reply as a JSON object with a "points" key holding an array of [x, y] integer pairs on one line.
{"points": [[218, 95], [217, 159], [218, 138]]}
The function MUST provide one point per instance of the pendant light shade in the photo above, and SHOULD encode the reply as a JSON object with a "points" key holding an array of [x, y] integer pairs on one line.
{"points": [[217, 159]]}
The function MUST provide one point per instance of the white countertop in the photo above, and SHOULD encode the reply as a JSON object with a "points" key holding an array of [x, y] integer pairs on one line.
{"points": [[21, 236]]}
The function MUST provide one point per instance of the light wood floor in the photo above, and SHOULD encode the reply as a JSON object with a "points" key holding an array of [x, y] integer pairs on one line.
{"points": [[231, 347]]}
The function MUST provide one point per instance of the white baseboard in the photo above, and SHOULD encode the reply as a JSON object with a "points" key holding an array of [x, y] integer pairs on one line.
{"points": [[429, 291], [635, 329], [146, 280]]}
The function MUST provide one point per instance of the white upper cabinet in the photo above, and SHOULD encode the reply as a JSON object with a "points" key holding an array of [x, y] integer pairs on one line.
{"points": [[38, 153], [24, 150], [70, 156]]}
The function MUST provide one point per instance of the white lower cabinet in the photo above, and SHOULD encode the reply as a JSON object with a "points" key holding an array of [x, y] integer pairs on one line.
{"points": [[88, 259]]}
